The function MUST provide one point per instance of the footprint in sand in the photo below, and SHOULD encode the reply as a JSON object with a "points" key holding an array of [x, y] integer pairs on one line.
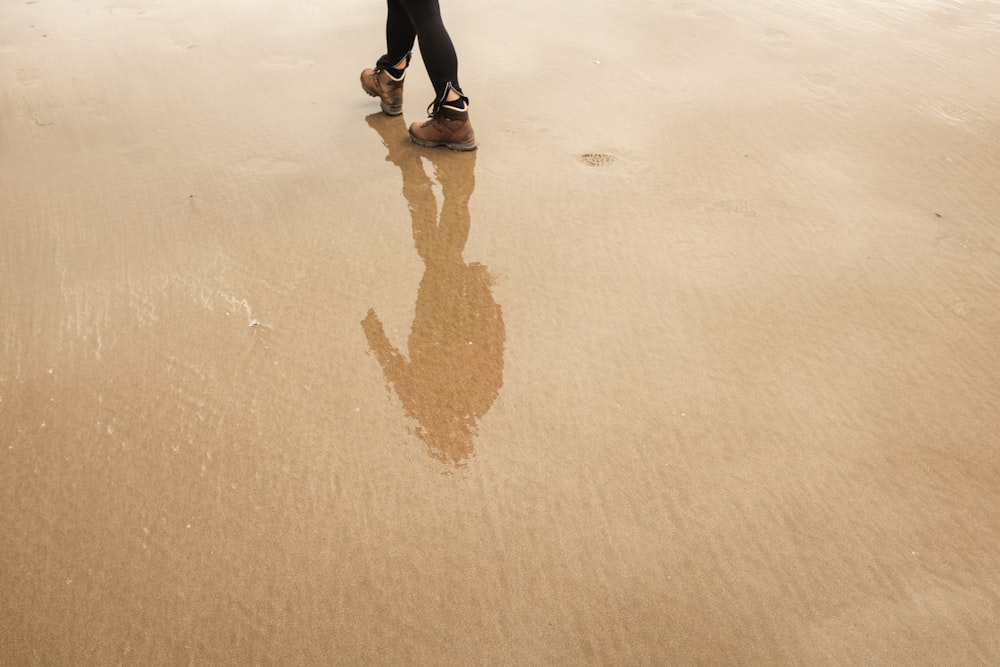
{"points": [[596, 159]]}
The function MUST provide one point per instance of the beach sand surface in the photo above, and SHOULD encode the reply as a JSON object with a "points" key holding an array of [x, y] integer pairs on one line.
{"points": [[695, 361]]}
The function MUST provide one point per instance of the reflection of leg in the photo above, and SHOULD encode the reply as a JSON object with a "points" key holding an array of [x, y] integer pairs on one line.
{"points": [[457, 176], [400, 152], [455, 173], [435, 239], [419, 193], [417, 187]]}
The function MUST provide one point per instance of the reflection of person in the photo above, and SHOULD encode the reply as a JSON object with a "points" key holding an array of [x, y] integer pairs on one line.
{"points": [[408, 20], [455, 366]]}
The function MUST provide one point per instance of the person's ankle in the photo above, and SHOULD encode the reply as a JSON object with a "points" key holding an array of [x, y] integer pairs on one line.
{"points": [[460, 103], [399, 69]]}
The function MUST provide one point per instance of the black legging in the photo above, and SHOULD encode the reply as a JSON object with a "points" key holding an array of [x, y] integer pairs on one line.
{"points": [[421, 19]]}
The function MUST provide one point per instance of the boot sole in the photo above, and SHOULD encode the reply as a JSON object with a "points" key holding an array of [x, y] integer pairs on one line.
{"points": [[390, 110], [469, 145]]}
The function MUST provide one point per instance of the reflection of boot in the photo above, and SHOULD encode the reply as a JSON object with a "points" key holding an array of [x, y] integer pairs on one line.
{"points": [[390, 130], [447, 126], [379, 83]]}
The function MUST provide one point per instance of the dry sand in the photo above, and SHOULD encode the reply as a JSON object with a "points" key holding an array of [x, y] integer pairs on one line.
{"points": [[694, 361]]}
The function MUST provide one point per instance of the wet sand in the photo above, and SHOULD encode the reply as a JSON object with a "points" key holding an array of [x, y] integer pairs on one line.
{"points": [[695, 360]]}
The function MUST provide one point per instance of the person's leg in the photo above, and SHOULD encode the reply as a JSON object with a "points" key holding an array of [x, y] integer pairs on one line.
{"points": [[399, 37], [385, 80], [449, 124], [436, 48]]}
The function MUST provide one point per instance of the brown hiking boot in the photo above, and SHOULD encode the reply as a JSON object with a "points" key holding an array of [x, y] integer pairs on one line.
{"points": [[379, 83], [448, 126]]}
